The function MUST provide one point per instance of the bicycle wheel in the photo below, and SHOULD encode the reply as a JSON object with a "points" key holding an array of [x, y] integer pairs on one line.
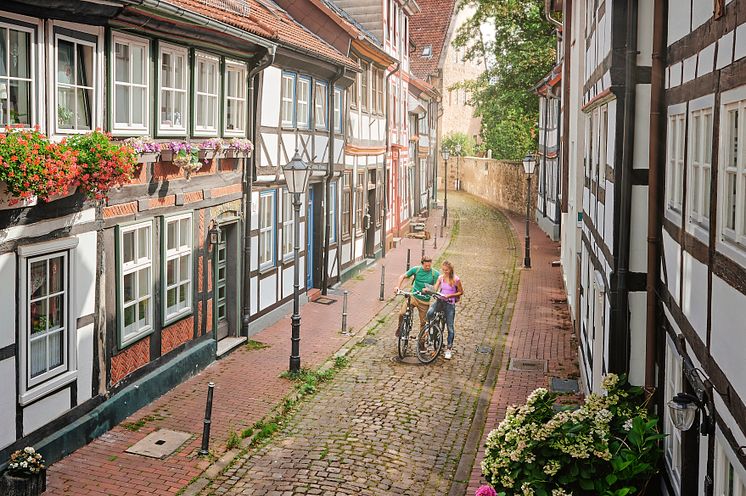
{"points": [[430, 342], [403, 340]]}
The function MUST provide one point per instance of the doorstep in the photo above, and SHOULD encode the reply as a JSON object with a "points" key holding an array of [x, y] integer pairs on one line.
{"points": [[227, 344]]}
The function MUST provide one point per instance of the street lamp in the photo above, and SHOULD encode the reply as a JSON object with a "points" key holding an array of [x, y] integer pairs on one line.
{"points": [[529, 164], [296, 174], [458, 166], [446, 154]]}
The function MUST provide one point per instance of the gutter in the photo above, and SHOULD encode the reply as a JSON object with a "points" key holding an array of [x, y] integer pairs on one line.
{"points": [[248, 181], [328, 179], [385, 162]]}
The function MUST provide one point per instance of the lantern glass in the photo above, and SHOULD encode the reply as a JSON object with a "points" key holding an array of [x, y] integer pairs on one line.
{"points": [[214, 235], [458, 148], [529, 163], [445, 153], [296, 174], [683, 413]]}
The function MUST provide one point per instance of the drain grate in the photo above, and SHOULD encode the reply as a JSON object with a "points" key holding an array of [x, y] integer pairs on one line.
{"points": [[159, 444], [369, 341], [564, 385], [324, 300], [527, 365], [484, 349]]}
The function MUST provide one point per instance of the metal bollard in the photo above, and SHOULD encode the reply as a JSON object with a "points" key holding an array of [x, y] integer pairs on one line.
{"points": [[383, 282], [441, 231], [205, 450], [435, 242], [423, 248], [408, 258], [344, 313]]}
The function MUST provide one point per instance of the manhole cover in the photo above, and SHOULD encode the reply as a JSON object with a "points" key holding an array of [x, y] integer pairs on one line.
{"points": [[527, 365], [369, 341], [564, 385], [323, 300], [159, 444], [484, 349]]}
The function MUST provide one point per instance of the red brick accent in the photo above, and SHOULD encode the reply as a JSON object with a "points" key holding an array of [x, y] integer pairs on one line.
{"points": [[199, 318], [202, 223], [162, 201], [194, 196], [120, 210], [130, 360], [226, 190], [209, 274], [229, 164], [176, 334], [209, 315], [200, 278], [166, 170], [141, 174]]}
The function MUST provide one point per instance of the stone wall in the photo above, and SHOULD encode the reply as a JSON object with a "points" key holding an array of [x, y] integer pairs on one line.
{"points": [[502, 184]]}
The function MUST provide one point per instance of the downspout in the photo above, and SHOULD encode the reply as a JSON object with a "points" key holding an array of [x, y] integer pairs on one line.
{"points": [[620, 339], [557, 161], [548, 14], [566, 114], [248, 181], [543, 188], [656, 159], [385, 163], [328, 179]]}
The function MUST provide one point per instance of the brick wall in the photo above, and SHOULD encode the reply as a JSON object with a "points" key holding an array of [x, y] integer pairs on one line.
{"points": [[502, 184], [130, 360]]}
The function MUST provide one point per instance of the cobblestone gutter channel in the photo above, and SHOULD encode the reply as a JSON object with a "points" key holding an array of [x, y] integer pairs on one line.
{"points": [[382, 427]]}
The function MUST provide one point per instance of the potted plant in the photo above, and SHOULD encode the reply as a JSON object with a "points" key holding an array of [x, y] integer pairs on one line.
{"points": [[239, 148], [104, 163], [210, 149], [33, 168], [609, 445], [26, 474], [146, 149]]}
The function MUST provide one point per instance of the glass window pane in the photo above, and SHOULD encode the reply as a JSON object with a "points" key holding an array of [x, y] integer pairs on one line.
{"points": [[144, 282], [38, 357], [65, 62], [66, 108], [129, 315], [38, 279], [143, 239], [143, 316], [85, 109], [179, 72], [179, 106], [85, 65], [56, 348], [122, 104], [38, 316], [128, 287], [185, 232], [56, 312], [121, 62], [128, 247], [166, 70], [56, 274], [171, 234], [171, 272], [184, 272], [183, 294], [19, 102], [3, 52], [171, 300], [138, 64], [139, 103]]}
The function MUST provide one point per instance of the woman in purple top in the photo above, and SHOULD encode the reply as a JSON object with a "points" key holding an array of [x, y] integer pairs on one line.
{"points": [[448, 285]]}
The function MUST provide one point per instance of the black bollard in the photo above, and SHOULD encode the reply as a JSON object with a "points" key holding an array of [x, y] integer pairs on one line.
{"points": [[344, 313], [205, 450], [383, 282], [408, 258], [423, 248]]}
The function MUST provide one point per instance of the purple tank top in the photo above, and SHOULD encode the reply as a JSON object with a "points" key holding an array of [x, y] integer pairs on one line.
{"points": [[448, 289]]}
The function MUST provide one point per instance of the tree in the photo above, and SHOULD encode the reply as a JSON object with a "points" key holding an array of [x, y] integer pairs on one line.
{"points": [[467, 144], [522, 53]]}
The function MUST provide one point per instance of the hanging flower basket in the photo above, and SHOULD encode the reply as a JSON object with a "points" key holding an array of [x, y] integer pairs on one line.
{"points": [[70, 191], [187, 165], [104, 164], [209, 153]]}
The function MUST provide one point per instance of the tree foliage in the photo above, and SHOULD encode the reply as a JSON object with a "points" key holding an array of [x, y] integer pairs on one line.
{"points": [[522, 53], [468, 146]]}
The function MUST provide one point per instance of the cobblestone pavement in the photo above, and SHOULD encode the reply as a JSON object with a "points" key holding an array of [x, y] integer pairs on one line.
{"points": [[382, 427]]}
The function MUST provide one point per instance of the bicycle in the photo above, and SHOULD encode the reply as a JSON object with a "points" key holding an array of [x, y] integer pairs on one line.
{"points": [[430, 339], [402, 342]]}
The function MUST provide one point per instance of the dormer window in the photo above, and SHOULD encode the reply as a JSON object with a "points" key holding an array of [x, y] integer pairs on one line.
{"points": [[427, 51]]}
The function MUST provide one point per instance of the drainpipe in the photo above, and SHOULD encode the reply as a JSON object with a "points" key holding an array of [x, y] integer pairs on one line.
{"points": [[656, 159], [566, 114], [248, 180], [620, 338], [385, 163], [557, 161], [548, 14], [328, 179], [543, 191]]}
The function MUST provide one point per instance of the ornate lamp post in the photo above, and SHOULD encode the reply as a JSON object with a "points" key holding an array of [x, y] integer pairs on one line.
{"points": [[445, 153], [529, 164], [296, 174]]}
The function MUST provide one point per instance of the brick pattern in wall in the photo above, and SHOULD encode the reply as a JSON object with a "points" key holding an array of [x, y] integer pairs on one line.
{"points": [[176, 334], [130, 360], [502, 184]]}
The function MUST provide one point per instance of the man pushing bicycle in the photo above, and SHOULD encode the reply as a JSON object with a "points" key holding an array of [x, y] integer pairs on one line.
{"points": [[424, 275]]}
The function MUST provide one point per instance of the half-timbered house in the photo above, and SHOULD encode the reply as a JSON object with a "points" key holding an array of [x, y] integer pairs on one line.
{"points": [[548, 172]]}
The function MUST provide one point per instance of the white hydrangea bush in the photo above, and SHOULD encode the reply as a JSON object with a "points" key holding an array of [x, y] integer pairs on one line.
{"points": [[25, 462]]}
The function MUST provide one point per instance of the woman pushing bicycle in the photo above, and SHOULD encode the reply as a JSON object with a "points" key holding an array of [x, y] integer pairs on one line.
{"points": [[450, 287]]}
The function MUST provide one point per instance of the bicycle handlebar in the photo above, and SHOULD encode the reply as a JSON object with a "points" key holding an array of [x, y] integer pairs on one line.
{"points": [[438, 296]]}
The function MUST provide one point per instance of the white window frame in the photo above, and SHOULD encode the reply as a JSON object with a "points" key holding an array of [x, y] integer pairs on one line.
{"points": [[287, 225], [171, 130], [38, 387], [204, 100], [269, 230], [287, 102], [130, 129], [733, 238], [726, 470], [8, 78], [133, 268], [333, 212], [240, 67], [177, 253], [321, 105], [675, 153], [672, 453], [303, 121], [338, 110], [93, 87], [700, 168]]}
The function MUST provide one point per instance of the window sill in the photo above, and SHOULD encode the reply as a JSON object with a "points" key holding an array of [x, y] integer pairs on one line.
{"points": [[126, 133], [699, 230], [203, 133], [265, 269], [47, 387], [134, 339], [171, 133], [177, 317]]}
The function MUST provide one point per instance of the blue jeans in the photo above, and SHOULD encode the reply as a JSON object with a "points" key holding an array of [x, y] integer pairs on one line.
{"points": [[449, 311]]}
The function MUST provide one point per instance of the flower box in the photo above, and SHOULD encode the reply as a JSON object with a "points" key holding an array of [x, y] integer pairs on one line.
{"points": [[6, 199], [70, 191], [167, 155], [235, 153], [28, 485], [187, 166], [210, 153], [147, 157]]}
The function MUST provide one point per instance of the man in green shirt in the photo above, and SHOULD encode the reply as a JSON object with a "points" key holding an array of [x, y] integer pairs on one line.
{"points": [[424, 275]]}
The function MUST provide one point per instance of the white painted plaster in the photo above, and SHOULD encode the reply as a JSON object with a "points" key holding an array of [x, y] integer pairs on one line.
{"points": [[253, 287], [678, 21], [45, 227], [85, 363], [694, 295], [271, 89], [8, 297], [706, 60], [45, 410], [8, 402], [268, 157], [645, 33], [676, 74], [727, 340], [740, 42], [725, 50], [701, 12], [671, 250], [638, 229], [690, 69], [642, 128], [267, 292], [637, 319], [84, 280]]}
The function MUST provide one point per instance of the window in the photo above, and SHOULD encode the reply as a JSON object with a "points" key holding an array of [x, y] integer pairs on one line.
{"points": [[235, 99], [288, 100], [359, 195], [700, 156], [728, 480], [75, 83], [346, 204], [287, 224], [172, 89], [672, 442], [332, 212], [337, 110], [379, 200], [178, 272], [136, 282], [355, 90], [131, 98], [207, 86], [675, 163], [17, 76], [733, 183], [304, 103], [321, 104], [364, 86], [267, 229]]}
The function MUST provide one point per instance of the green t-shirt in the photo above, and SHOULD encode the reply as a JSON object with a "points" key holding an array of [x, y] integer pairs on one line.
{"points": [[422, 278]]}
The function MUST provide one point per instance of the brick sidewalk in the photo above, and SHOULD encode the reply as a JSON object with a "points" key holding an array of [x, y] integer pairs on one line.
{"points": [[540, 329], [247, 387]]}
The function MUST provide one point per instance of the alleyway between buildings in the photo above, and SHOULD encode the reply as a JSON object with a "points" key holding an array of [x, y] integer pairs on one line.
{"points": [[380, 426]]}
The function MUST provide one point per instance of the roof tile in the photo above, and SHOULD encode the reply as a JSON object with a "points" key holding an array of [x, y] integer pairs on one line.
{"points": [[430, 27]]}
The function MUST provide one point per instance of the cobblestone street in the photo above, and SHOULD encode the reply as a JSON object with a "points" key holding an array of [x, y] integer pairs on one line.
{"points": [[382, 427]]}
